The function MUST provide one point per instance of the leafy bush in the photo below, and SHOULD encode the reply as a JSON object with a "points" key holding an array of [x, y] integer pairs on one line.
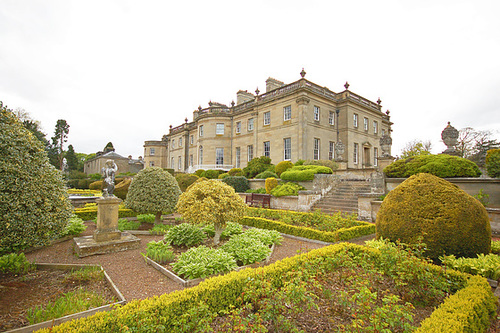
{"points": [[239, 183], [326, 163], [271, 183], [160, 252], [444, 166], [199, 172], [246, 249], [121, 189], [495, 247], [256, 166], [298, 175], [223, 175], [286, 189], [185, 179], [235, 172], [124, 224], [267, 237], [201, 262], [15, 264], [95, 176], [159, 229], [449, 220], [484, 265], [210, 174], [483, 198], [266, 174], [74, 227], [146, 218], [230, 230], [257, 190], [153, 190], [282, 167], [185, 234], [34, 205], [97, 185], [315, 168], [493, 163]]}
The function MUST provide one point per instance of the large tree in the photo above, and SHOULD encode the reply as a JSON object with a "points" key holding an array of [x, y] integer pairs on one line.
{"points": [[416, 148], [473, 144], [71, 159], [60, 137]]}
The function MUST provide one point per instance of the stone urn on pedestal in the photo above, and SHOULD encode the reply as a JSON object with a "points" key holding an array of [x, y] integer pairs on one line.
{"points": [[339, 155], [386, 158], [450, 138]]}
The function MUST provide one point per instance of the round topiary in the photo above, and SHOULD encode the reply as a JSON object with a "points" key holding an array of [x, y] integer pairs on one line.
{"points": [[425, 208], [282, 167]]}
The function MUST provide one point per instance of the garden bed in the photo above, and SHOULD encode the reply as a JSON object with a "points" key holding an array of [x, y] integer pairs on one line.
{"points": [[18, 293]]}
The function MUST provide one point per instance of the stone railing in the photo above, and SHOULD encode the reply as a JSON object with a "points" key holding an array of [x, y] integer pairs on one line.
{"points": [[225, 167]]}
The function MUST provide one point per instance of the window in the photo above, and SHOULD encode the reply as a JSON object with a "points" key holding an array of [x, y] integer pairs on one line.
{"points": [[250, 152], [365, 124], [267, 118], [219, 156], [316, 149], [151, 163], [316, 113], [355, 156], [191, 160], [267, 148], [173, 143], [331, 118], [287, 113], [172, 163], [201, 130], [180, 142], [179, 164], [383, 132], [191, 139], [355, 120], [151, 151], [238, 157], [287, 149], [331, 150], [250, 124], [219, 129], [375, 127], [375, 156], [200, 155], [238, 127]]}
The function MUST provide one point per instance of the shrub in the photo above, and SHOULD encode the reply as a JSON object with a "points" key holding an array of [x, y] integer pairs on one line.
{"points": [[297, 175], [74, 227], [124, 224], [211, 202], [121, 189], [146, 218], [266, 174], [257, 190], [223, 175], [210, 174], [201, 262], [185, 234], [185, 179], [493, 163], [315, 168], [160, 252], [495, 247], [286, 189], [326, 163], [446, 218], [256, 166], [267, 237], [239, 183], [246, 249], [15, 264], [230, 230], [95, 176], [484, 265], [235, 172], [159, 229], [34, 205], [97, 185], [271, 183], [153, 190], [282, 167], [199, 172], [84, 183], [444, 166]]}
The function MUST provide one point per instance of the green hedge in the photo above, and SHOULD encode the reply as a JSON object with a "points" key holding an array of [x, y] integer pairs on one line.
{"points": [[493, 163], [239, 183], [468, 310], [90, 214]]}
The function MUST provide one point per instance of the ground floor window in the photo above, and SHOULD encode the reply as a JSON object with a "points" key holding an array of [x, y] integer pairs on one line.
{"points": [[238, 156], [355, 153], [316, 149], [287, 149], [219, 156], [201, 155], [375, 156], [331, 150]]}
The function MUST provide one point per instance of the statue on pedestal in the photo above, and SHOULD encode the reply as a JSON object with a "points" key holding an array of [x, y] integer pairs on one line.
{"points": [[108, 174]]}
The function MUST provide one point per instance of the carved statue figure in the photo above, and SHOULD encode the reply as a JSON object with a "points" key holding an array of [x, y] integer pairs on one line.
{"points": [[108, 174]]}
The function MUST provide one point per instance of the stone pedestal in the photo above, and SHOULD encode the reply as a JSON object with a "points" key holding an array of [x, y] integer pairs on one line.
{"points": [[384, 161], [107, 238], [342, 165]]}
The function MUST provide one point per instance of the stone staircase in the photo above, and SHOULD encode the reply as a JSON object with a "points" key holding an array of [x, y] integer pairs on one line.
{"points": [[343, 197]]}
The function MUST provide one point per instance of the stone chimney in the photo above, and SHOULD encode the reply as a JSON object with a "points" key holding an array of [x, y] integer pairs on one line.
{"points": [[243, 96], [272, 84]]}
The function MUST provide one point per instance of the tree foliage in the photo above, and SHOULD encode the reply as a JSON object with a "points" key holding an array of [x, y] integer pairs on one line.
{"points": [[153, 190], [34, 207], [60, 137], [416, 148], [493, 163], [474, 144], [256, 166], [71, 158], [210, 201]]}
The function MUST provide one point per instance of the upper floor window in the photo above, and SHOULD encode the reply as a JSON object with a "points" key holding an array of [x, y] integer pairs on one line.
{"points": [[191, 139], [287, 113], [180, 142], [219, 129], [316, 113], [375, 127], [173, 143], [201, 130], [238, 127], [383, 132], [151, 151], [365, 123], [355, 120], [287, 149], [331, 118], [267, 118], [316, 149], [267, 148], [250, 124]]}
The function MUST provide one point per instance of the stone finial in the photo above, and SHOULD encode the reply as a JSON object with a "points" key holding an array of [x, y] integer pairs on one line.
{"points": [[303, 73], [257, 91], [232, 103], [210, 103], [346, 85], [379, 101], [199, 108], [170, 126], [450, 138], [186, 120], [387, 112]]}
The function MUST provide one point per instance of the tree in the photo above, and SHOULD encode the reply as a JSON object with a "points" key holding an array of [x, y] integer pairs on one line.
{"points": [[34, 206], [209, 201], [153, 190], [71, 159], [60, 137], [415, 148], [473, 144]]}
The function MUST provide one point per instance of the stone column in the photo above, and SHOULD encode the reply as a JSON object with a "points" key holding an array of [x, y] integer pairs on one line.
{"points": [[107, 219]]}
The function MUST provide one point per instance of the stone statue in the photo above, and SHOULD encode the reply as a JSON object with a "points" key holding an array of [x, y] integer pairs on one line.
{"points": [[108, 174]]}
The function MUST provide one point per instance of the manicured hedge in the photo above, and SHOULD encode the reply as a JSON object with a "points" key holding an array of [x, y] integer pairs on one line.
{"points": [[239, 183], [90, 214]]}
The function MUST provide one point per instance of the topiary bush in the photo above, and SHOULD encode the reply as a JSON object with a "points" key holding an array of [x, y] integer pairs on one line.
{"points": [[271, 183], [153, 191], [223, 175], [326, 163], [282, 167], [185, 179], [428, 209], [34, 205], [493, 163], [256, 166], [287, 189], [266, 174], [121, 189], [235, 172], [199, 172], [210, 174], [97, 185], [444, 166], [239, 183], [298, 175]]}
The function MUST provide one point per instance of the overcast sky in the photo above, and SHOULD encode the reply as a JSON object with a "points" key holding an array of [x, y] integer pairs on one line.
{"points": [[123, 71]]}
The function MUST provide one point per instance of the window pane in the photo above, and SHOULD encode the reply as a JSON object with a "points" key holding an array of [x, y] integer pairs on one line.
{"points": [[238, 155], [219, 156], [267, 118], [250, 124], [267, 148], [219, 129], [250, 152], [287, 113], [287, 149], [316, 149]]}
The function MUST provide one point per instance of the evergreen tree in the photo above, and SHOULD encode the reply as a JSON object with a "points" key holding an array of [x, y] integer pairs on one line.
{"points": [[60, 137], [71, 159]]}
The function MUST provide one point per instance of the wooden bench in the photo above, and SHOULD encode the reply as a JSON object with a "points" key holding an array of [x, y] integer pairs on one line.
{"points": [[259, 200]]}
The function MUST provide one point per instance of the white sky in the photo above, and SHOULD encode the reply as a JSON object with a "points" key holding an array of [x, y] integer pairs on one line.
{"points": [[123, 71]]}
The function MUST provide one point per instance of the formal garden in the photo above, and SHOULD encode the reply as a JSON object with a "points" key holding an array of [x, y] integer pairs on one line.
{"points": [[424, 267]]}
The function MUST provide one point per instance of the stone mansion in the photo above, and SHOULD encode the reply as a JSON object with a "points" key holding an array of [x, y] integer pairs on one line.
{"points": [[300, 120]]}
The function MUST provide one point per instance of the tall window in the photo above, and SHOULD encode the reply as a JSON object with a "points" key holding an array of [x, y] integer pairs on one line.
{"points": [[365, 123], [238, 156], [191, 160], [173, 143], [355, 120], [200, 155], [191, 139], [287, 149], [355, 156], [316, 113], [383, 132], [201, 130], [219, 129], [287, 113], [331, 150], [172, 163], [316, 149], [250, 124], [180, 142], [375, 127], [151, 151], [179, 163], [375, 156], [238, 127], [250, 153], [267, 148], [219, 156], [267, 118], [331, 118]]}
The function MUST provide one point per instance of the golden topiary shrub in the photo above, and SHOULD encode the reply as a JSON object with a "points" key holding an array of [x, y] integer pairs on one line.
{"points": [[121, 189], [271, 183], [449, 220]]}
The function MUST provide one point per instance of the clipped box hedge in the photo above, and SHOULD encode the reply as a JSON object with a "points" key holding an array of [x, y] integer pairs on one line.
{"points": [[468, 310], [88, 214]]}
